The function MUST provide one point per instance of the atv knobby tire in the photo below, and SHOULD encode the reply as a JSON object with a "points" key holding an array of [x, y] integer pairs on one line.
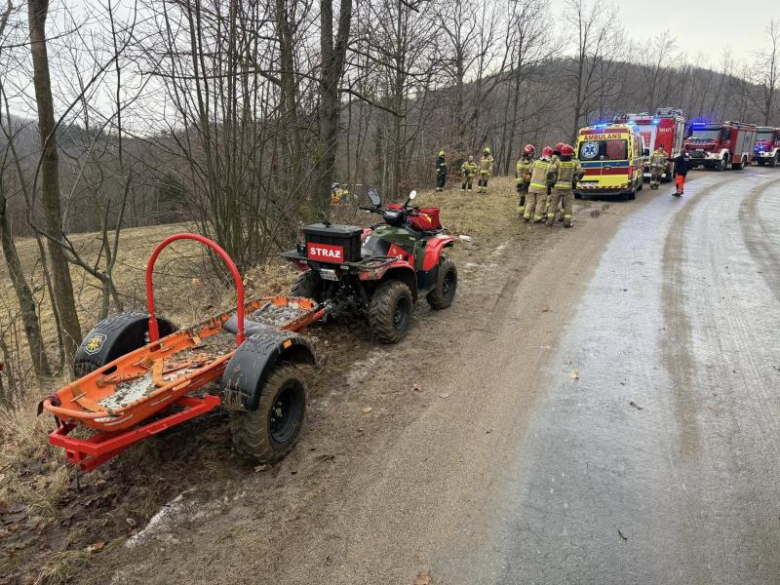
{"points": [[308, 286], [260, 434], [390, 311], [442, 296]]}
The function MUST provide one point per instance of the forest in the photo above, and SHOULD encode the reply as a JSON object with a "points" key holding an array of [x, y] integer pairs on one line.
{"points": [[239, 116]]}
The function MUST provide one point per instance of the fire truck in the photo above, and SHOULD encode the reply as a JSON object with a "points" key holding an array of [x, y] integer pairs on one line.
{"points": [[717, 146], [665, 129], [767, 150]]}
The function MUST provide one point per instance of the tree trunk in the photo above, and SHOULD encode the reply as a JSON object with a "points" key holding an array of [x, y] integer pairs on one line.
{"points": [[333, 56], [32, 326], [50, 189]]}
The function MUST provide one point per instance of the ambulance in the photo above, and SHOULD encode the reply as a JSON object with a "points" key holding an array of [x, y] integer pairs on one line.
{"points": [[611, 156]]}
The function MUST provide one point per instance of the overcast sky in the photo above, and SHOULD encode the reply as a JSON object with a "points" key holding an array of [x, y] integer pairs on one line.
{"points": [[702, 26]]}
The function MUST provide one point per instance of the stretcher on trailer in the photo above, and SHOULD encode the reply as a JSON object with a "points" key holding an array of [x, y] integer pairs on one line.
{"points": [[253, 350]]}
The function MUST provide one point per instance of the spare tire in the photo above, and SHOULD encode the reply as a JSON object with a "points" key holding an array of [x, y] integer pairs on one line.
{"points": [[114, 337]]}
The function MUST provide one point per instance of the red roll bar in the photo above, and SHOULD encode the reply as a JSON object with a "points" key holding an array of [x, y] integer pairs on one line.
{"points": [[154, 331]]}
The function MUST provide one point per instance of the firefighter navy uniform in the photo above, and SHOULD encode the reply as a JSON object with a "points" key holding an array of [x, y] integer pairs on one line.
{"points": [[441, 171]]}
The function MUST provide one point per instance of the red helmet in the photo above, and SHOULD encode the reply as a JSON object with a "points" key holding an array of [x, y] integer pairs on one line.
{"points": [[567, 150], [529, 149], [547, 151], [559, 146]]}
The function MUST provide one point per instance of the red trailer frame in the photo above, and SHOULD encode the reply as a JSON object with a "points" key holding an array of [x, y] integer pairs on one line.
{"points": [[93, 451]]}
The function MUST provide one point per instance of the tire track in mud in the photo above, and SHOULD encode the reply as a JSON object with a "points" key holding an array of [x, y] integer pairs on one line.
{"points": [[676, 353], [756, 235], [754, 390], [726, 396]]}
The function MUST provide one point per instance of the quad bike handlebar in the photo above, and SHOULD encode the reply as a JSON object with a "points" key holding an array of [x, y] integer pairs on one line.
{"points": [[154, 330]]}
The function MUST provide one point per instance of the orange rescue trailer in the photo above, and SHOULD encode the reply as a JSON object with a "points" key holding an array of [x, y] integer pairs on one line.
{"points": [[134, 384]]}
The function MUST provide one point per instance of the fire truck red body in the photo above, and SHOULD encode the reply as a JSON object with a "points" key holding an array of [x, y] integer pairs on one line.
{"points": [[767, 149], [665, 129], [719, 146]]}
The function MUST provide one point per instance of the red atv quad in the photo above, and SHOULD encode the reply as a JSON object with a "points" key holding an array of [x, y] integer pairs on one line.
{"points": [[381, 271]]}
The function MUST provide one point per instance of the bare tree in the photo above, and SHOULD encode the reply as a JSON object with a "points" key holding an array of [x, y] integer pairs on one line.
{"points": [[50, 177], [593, 34], [767, 75], [333, 52]]}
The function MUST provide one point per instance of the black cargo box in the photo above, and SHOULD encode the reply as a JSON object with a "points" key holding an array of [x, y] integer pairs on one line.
{"points": [[344, 237]]}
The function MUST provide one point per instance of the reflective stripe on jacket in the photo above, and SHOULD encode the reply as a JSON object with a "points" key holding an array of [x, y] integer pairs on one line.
{"points": [[468, 169], [524, 168], [539, 173], [567, 171], [658, 159]]}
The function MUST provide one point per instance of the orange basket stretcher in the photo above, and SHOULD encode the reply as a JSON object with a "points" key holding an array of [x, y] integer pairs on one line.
{"points": [[119, 398]]}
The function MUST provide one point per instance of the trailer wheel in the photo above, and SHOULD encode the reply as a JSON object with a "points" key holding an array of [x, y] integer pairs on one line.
{"points": [[270, 432], [442, 296], [114, 337], [390, 311]]}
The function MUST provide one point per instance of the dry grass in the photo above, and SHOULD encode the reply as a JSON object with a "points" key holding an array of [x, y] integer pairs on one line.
{"points": [[34, 475]]}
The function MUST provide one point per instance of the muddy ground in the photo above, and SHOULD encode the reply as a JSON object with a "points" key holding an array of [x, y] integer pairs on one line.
{"points": [[596, 407], [54, 525]]}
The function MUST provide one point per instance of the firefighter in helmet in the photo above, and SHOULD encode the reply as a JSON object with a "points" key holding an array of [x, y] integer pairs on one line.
{"points": [[467, 170], [441, 171], [557, 151], [556, 156], [569, 172], [544, 172], [485, 169], [523, 175], [658, 166]]}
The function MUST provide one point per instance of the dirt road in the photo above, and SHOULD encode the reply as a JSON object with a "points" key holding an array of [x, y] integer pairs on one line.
{"points": [[598, 407]]}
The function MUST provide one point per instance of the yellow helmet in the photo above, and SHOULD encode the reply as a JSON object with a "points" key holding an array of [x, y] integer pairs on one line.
{"points": [[441, 153], [487, 150]]}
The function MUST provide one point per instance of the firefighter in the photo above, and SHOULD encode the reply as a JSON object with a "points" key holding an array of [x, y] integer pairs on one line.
{"points": [[441, 171], [557, 151], [523, 176], [543, 174], [658, 166], [556, 156], [569, 171], [682, 164], [485, 170], [468, 169]]}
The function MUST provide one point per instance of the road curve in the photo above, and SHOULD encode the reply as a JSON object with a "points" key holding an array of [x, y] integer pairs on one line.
{"points": [[659, 463], [599, 408]]}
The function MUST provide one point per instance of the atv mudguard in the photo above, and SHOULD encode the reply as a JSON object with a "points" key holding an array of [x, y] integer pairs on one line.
{"points": [[248, 369], [398, 270], [433, 251]]}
